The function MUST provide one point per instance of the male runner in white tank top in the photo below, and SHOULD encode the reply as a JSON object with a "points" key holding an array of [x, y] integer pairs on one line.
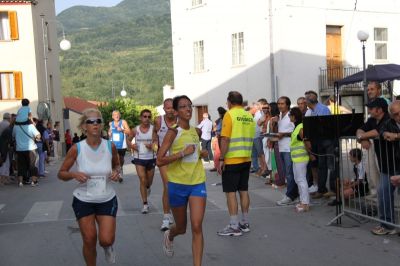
{"points": [[144, 155], [161, 125]]}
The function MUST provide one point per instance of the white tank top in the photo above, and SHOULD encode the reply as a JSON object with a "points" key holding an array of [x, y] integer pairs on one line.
{"points": [[141, 139], [96, 163], [162, 131]]}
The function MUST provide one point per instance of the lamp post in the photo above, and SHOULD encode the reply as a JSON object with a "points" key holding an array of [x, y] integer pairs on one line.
{"points": [[123, 93], [363, 37], [64, 45]]}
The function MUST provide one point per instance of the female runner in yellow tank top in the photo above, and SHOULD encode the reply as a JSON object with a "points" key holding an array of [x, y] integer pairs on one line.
{"points": [[186, 178]]}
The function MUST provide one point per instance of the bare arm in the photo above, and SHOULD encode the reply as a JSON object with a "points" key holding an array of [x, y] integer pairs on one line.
{"points": [[64, 173], [125, 125]]}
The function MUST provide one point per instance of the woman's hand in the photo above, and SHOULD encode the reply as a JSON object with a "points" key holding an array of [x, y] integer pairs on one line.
{"points": [[204, 154], [189, 149], [115, 174], [80, 177]]}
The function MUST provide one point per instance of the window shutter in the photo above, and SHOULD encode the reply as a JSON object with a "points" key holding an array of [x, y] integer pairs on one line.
{"points": [[18, 85], [12, 16]]}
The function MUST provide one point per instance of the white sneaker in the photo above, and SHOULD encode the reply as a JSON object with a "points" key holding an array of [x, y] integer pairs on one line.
{"points": [[20, 184], [145, 209], [285, 201], [109, 254], [165, 224], [313, 189], [168, 246]]}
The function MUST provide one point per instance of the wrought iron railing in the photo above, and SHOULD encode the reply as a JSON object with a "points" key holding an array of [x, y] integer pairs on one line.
{"points": [[328, 76]]}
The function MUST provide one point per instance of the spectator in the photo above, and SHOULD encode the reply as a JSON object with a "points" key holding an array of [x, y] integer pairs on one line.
{"points": [[42, 147], [259, 118], [68, 139], [75, 139], [206, 127], [5, 141], [358, 187], [25, 137], [24, 114], [56, 140], [301, 103], [285, 129], [216, 142], [380, 125], [336, 108]]}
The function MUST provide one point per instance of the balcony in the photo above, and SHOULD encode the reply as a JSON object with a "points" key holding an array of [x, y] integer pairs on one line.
{"points": [[328, 76]]}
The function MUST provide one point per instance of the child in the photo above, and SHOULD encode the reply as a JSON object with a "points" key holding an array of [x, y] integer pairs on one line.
{"points": [[24, 114], [358, 187]]}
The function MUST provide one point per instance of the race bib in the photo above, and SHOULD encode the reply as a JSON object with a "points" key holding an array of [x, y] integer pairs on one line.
{"points": [[142, 148], [116, 137], [96, 185], [192, 158]]}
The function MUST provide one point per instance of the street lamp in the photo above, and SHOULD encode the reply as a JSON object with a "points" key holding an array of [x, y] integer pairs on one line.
{"points": [[64, 45], [123, 93], [363, 37]]}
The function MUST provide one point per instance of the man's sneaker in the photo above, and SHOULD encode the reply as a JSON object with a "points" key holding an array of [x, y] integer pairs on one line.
{"points": [[109, 254], [165, 224], [230, 231], [148, 191], [34, 183], [313, 189], [245, 227], [145, 209], [285, 201], [20, 184], [168, 246], [380, 230]]}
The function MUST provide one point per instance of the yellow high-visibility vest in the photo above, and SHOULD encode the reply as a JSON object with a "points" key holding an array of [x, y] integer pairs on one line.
{"points": [[298, 151], [243, 131]]}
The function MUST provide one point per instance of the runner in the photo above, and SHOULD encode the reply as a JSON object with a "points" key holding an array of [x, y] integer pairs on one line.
{"points": [[118, 129], [161, 126], [144, 155], [94, 198], [186, 178]]}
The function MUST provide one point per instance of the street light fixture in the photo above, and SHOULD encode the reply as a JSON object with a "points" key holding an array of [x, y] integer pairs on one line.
{"points": [[64, 45], [363, 37]]}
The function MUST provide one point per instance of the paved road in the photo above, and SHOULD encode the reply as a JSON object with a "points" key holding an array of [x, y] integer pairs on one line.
{"points": [[37, 227]]}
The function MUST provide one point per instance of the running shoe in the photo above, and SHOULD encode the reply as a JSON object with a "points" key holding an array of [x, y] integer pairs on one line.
{"points": [[168, 245], [245, 227], [230, 231], [165, 224], [380, 230], [109, 254], [145, 209], [34, 183], [20, 184]]}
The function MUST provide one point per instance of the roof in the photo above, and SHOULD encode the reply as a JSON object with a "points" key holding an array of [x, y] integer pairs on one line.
{"points": [[77, 104]]}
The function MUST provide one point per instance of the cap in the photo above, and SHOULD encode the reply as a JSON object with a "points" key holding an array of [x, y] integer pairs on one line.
{"points": [[6, 116], [378, 102]]}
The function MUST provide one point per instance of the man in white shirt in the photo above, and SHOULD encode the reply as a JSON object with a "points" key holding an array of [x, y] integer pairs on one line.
{"points": [[206, 128], [285, 129]]}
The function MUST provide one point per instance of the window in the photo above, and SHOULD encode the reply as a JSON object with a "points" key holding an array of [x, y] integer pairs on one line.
{"points": [[8, 26], [381, 39], [237, 49], [11, 85], [198, 50], [197, 2]]}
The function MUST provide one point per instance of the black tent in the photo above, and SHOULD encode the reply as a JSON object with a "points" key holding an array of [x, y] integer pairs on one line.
{"points": [[378, 73]]}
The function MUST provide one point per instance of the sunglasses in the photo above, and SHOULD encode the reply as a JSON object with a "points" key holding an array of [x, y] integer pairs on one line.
{"points": [[92, 121]]}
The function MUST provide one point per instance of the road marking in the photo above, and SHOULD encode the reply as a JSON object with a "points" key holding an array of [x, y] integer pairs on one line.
{"points": [[217, 198], [43, 211]]}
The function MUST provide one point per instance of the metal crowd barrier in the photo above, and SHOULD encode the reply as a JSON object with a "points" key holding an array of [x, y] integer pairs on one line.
{"points": [[365, 204]]}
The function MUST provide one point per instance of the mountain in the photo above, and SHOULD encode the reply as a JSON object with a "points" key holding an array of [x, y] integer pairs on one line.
{"points": [[127, 45]]}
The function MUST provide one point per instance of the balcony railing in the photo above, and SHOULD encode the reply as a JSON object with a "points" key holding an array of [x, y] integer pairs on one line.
{"points": [[328, 76]]}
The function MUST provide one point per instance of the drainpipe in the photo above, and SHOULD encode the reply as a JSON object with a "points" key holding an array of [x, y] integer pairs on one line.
{"points": [[274, 91]]}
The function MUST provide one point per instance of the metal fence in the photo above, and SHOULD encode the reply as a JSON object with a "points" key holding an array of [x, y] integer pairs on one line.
{"points": [[366, 192]]}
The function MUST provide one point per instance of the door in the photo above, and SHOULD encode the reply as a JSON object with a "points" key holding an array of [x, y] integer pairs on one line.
{"points": [[200, 111], [334, 61]]}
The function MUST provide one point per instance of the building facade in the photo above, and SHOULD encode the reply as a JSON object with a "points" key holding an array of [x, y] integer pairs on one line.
{"points": [[270, 48], [29, 52]]}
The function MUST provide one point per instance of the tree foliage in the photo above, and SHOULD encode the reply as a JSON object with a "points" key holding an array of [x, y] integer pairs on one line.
{"points": [[129, 45]]}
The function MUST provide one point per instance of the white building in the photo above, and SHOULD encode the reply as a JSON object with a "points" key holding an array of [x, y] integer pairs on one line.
{"points": [[29, 56], [271, 48]]}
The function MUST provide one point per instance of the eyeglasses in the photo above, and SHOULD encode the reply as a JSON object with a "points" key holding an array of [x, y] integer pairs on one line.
{"points": [[146, 116], [189, 106], [91, 121], [265, 108]]}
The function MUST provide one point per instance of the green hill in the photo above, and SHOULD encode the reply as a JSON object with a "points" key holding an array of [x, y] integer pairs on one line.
{"points": [[127, 44]]}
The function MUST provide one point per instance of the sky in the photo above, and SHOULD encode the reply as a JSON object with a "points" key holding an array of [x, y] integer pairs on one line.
{"points": [[64, 4]]}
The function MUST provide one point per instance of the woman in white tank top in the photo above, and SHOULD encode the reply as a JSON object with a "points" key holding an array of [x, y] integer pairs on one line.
{"points": [[144, 155], [94, 198]]}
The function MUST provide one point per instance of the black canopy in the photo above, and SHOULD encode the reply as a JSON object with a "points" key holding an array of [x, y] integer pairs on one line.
{"points": [[378, 73]]}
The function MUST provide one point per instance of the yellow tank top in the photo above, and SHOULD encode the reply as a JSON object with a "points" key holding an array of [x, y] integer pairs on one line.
{"points": [[189, 170]]}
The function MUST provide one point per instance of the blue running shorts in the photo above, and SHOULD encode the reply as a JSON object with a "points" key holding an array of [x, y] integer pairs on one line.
{"points": [[179, 194]]}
